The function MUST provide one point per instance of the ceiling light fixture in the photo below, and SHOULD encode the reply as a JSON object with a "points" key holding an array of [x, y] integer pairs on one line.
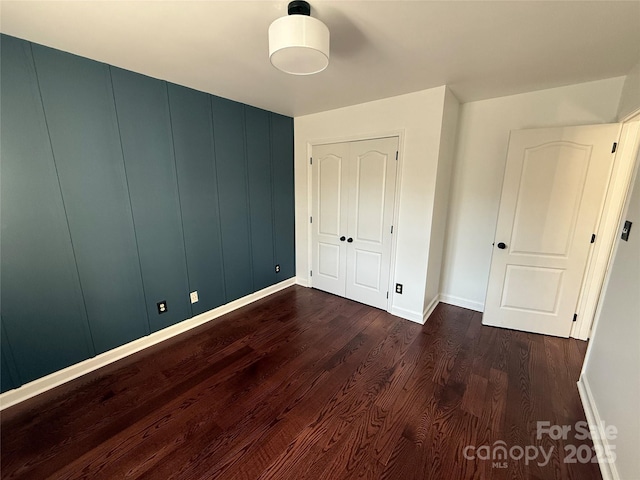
{"points": [[298, 43]]}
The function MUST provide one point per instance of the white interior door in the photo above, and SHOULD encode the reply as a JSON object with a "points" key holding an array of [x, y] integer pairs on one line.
{"points": [[353, 196], [330, 217], [372, 179], [552, 195]]}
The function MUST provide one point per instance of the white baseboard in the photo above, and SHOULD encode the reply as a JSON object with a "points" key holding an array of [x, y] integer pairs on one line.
{"points": [[600, 442], [430, 308], [462, 302], [397, 311], [407, 314], [40, 385]]}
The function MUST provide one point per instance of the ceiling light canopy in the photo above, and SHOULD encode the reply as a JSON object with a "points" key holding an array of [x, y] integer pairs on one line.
{"points": [[298, 43]]}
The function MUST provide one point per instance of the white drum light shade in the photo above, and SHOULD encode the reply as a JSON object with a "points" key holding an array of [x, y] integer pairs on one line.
{"points": [[299, 45]]}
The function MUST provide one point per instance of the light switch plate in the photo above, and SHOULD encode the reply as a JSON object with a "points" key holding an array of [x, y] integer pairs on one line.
{"points": [[194, 296], [626, 230]]}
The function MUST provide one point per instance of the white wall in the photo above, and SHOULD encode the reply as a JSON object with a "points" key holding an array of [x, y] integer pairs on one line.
{"points": [[481, 150], [611, 372], [419, 116], [446, 156], [630, 97]]}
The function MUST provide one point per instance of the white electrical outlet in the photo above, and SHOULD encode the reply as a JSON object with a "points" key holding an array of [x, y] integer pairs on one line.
{"points": [[194, 296]]}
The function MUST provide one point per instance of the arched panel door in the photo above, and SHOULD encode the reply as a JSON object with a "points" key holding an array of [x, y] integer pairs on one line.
{"points": [[329, 221], [371, 194], [554, 186]]}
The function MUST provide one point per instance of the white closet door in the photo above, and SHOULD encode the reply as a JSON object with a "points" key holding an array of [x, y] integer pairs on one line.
{"points": [[372, 178], [353, 198], [329, 196]]}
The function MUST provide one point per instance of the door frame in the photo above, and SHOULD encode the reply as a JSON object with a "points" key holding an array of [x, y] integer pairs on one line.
{"points": [[599, 258], [396, 197]]}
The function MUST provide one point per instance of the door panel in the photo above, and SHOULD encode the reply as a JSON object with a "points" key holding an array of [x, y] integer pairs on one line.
{"points": [[329, 198], [330, 224], [329, 260], [553, 191], [370, 196], [552, 184], [367, 266], [520, 281], [372, 172]]}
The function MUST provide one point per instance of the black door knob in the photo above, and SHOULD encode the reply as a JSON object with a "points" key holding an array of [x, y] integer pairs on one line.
{"points": [[349, 239], [502, 246], [342, 238]]}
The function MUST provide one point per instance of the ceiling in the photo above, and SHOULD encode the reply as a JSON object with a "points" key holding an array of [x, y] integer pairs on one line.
{"points": [[481, 49]]}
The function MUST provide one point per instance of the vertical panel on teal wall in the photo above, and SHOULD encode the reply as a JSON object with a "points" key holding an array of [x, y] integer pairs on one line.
{"points": [[231, 169], [9, 377], [42, 306], [283, 193], [195, 162], [80, 113], [260, 202], [6, 381], [143, 115]]}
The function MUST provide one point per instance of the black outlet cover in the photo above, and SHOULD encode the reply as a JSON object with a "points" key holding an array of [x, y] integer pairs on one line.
{"points": [[399, 288], [162, 307]]}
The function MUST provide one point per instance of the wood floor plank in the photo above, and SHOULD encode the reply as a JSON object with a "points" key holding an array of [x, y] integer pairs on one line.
{"points": [[474, 395], [291, 413], [307, 385], [349, 402]]}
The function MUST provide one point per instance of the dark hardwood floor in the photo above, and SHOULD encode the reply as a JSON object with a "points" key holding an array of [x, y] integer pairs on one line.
{"points": [[306, 385]]}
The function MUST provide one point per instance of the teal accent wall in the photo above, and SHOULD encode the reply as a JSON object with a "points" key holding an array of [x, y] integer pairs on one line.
{"points": [[142, 105], [90, 168], [119, 191], [231, 170], [260, 196], [283, 193], [197, 182]]}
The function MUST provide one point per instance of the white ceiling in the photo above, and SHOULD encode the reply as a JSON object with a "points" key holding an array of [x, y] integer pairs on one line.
{"points": [[481, 49]]}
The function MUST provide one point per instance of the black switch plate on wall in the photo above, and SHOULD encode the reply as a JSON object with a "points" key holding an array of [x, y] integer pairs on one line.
{"points": [[625, 230], [399, 288]]}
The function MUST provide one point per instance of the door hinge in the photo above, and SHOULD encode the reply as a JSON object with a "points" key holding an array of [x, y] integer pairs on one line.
{"points": [[391, 228], [593, 238], [387, 294], [310, 219], [311, 273], [396, 155], [311, 160], [575, 317], [615, 146]]}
